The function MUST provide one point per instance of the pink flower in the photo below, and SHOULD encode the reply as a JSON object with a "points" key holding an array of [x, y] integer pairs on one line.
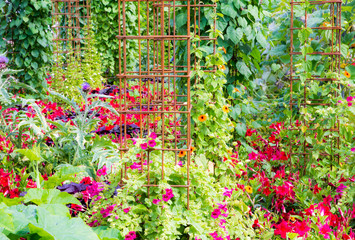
{"points": [[153, 135], [339, 101], [353, 149], [324, 230], [253, 156], [134, 141], [126, 210], [144, 146], [222, 207], [131, 236], [102, 171], [180, 163], [302, 228], [227, 192], [215, 214], [107, 211], [152, 143], [156, 201], [341, 188], [349, 99], [350, 104]]}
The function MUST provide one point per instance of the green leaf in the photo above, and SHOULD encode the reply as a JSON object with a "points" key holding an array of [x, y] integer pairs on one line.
{"points": [[234, 34], [50, 226], [106, 233], [49, 196], [228, 10], [243, 69], [261, 39], [235, 112], [241, 129], [33, 154], [253, 10]]}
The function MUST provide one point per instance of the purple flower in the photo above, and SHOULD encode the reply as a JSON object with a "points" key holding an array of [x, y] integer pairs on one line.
{"points": [[85, 86], [341, 188], [153, 135], [144, 146], [152, 143], [4, 59]]}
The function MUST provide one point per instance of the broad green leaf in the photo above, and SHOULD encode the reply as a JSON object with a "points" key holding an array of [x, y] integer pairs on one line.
{"points": [[234, 34], [243, 69], [56, 227], [49, 196], [106, 233]]}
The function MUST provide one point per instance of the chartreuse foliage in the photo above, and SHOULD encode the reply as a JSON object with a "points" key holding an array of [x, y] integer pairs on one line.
{"points": [[170, 219], [72, 70], [25, 32], [48, 219]]}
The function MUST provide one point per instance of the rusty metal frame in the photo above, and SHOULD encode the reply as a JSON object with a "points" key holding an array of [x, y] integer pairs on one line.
{"points": [[335, 55], [158, 72], [70, 18]]}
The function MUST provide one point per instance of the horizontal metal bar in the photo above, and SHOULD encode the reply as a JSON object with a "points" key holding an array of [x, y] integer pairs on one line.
{"points": [[155, 37], [316, 53], [317, 2]]}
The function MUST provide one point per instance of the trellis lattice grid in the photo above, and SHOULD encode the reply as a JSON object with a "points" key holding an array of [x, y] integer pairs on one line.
{"points": [[303, 99], [164, 61]]}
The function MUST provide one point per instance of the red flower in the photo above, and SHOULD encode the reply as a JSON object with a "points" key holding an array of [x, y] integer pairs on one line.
{"points": [[31, 184], [282, 229]]}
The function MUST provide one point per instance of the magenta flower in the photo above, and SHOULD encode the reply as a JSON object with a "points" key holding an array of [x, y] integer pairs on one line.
{"points": [[152, 143], [215, 214], [341, 188], [102, 171], [126, 210], [353, 149], [227, 192], [153, 135], [349, 99], [350, 104], [180, 163], [144, 146], [253, 156], [107, 211], [339, 101], [325, 230], [131, 236], [156, 201], [168, 194], [134, 141]]}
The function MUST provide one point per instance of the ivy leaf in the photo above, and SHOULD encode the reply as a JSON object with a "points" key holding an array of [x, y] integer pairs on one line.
{"points": [[234, 34], [243, 69], [261, 39], [241, 129], [235, 112], [242, 22], [253, 10], [228, 10]]}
